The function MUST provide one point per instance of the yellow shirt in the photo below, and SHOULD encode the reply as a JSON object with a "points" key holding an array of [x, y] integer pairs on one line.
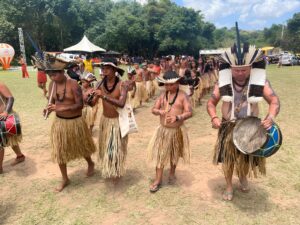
{"points": [[88, 66]]}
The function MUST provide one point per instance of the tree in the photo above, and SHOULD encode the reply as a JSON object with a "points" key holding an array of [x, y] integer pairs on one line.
{"points": [[293, 33]]}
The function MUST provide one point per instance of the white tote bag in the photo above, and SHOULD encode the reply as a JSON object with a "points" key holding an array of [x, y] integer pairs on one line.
{"points": [[127, 120]]}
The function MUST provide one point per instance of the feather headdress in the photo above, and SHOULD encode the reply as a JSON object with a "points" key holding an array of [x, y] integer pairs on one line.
{"points": [[241, 57]]}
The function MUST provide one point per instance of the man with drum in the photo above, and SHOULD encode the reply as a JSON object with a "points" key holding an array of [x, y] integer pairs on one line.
{"points": [[242, 84], [6, 105]]}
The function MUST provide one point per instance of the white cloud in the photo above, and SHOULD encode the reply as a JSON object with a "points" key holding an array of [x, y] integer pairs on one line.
{"points": [[140, 1], [251, 12]]}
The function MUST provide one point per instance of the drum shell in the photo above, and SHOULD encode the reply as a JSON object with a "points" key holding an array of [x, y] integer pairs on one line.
{"points": [[9, 127], [272, 144]]}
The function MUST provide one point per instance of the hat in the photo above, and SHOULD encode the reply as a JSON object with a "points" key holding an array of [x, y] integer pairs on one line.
{"points": [[240, 57], [170, 77], [37, 61], [113, 63], [131, 71], [54, 62], [88, 77]]}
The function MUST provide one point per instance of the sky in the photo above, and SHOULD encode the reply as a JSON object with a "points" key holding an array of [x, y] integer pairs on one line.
{"points": [[250, 14]]}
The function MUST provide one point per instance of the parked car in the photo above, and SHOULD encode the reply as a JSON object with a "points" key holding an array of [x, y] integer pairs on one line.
{"points": [[289, 60], [273, 59]]}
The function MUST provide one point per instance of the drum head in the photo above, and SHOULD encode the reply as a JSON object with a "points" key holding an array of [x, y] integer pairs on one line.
{"points": [[249, 135]]}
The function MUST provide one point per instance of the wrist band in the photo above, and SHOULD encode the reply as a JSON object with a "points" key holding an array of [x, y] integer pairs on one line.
{"points": [[214, 117]]}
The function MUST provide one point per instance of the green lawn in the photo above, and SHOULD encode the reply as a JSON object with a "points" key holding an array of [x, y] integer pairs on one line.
{"points": [[26, 191]]}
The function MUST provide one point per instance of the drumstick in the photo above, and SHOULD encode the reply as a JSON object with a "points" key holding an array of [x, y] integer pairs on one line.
{"points": [[49, 101]]}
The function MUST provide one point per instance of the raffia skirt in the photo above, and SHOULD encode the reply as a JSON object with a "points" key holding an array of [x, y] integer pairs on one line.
{"points": [[168, 145], [112, 148], [225, 152], [70, 139], [149, 87], [155, 87], [95, 110], [140, 94], [87, 114], [195, 97]]}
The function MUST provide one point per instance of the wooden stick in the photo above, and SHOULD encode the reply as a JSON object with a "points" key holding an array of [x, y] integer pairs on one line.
{"points": [[49, 101], [167, 107]]}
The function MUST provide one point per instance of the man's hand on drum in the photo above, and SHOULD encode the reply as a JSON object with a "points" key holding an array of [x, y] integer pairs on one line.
{"points": [[216, 123], [267, 122], [3, 115]]}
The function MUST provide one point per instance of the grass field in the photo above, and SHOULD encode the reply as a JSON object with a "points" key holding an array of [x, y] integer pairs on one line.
{"points": [[26, 190]]}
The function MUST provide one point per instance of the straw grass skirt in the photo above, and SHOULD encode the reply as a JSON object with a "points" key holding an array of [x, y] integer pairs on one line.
{"points": [[87, 114], [140, 94], [95, 110], [155, 87], [112, 148], [149, 88], [168, 145], [70, 139], [225, 152], [13, 140]]}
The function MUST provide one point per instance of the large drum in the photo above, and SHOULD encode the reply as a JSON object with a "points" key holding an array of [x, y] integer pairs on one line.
{"points": [[9, 127], [251, 138]]}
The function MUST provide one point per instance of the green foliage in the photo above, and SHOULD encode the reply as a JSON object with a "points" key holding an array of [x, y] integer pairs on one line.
{"points": [[293, 33]]}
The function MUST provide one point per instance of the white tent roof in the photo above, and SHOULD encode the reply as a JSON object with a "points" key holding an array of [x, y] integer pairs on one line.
{"points": [[84, 46], [212, 52]]}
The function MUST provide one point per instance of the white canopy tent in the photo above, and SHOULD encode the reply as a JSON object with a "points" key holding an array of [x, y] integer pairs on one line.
{"points": [[84, 46], [212, 52]]}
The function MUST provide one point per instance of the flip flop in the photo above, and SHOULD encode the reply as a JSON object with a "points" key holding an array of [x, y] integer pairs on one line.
{"points": [[227, 196], [155, 188]]}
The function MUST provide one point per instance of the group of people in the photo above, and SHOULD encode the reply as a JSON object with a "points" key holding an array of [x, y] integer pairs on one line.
{"points": [[239, 80]]}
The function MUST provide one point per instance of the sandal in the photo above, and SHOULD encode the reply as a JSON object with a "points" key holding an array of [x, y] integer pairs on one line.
{"points": [[227, 196], [155, 188]]}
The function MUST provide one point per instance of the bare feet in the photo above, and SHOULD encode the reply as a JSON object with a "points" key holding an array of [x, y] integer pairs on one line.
{"points": [[64, 184], [244, 185], [172, 179], [91, 169], [18, 159]]}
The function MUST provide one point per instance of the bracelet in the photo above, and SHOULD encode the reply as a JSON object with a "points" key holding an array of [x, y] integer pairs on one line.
{"points": [[214, 117]]}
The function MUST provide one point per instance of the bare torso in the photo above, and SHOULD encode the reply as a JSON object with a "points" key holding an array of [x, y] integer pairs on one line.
{"points": [[176, 109], [63, 97], [139, 76], [110, 110]]}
